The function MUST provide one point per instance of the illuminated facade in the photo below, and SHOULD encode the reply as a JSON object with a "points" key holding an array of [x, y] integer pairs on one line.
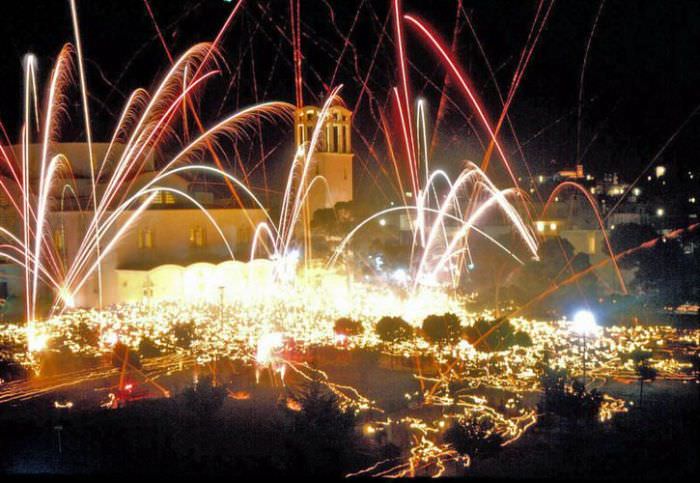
{"points": [[333, 157], [170, 232]]}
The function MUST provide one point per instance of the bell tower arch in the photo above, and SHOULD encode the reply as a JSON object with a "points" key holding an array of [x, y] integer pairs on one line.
{"points": [[333, 156]]}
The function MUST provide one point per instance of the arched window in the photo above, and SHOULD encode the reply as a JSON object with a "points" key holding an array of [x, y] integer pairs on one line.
{"points": [[198, 237], [336, 139], [59, 239], [145, 238]]}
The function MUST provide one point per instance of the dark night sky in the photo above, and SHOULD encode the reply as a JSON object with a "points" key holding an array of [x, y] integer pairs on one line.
{"points": [[641, 82]]}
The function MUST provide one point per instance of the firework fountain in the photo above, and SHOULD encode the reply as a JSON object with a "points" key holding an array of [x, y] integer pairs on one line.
{"points": [[254, 329]]}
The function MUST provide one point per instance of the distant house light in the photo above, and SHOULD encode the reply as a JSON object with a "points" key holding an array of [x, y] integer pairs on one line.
{"points": [[660, 212], [636, 191], [660, 171]]}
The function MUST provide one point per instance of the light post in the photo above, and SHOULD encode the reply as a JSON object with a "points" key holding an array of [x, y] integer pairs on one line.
{"points": [[584, 325], [221, 306], [221, 324], [148, 293], [58, 428]]}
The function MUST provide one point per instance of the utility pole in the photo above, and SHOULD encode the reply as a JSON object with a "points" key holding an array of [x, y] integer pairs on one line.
{"points": [[58, 428]]}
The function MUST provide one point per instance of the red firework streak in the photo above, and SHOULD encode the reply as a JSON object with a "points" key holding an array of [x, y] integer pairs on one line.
{"points": [[575, 277], [294, 14], [599, 218], [402, 98], [194, 78]]}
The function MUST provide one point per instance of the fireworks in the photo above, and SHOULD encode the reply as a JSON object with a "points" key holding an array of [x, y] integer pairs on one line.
{"points": [[300, 318], [275, 310]]}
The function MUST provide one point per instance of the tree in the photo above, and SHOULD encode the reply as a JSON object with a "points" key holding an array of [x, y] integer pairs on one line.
{"points": [[11, 370], [204, 399], [557, 262], [393, 329], [322, 438], [644, 370], [474, 436], [87, 336], [148, 348], [663, 272], [442, 329], [502, 338], [366, 361], [183, 333], [348, 327], [566, 398], [119, 351]]}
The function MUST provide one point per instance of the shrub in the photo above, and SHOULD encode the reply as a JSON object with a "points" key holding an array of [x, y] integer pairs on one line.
{"points": [[393, 329]]}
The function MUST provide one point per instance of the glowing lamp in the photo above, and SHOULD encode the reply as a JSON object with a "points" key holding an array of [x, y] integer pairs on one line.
{"points": [[67, 298], [584, 322]]}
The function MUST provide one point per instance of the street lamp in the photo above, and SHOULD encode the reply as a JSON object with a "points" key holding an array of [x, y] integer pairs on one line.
{"points": [[584, 325], [221, 306], [221, 325]]}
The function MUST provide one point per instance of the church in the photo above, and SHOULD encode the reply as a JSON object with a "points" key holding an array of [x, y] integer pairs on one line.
{"points": [[173, 248]]}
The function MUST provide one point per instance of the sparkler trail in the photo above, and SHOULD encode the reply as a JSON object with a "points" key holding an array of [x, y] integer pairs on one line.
{"points": [[141, 125], [274, 313], [581, 79], [601, 224], [461, 79]]}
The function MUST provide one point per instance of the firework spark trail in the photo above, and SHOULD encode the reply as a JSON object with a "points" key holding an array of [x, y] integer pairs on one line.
{"points": [[524, 60], [648, 244], [442, 104], [341, 246], [658, 154], [294, 14], [460, 77], [526, 55], [149, 116], [601, 223], [403, 96], [312, 329], [581, 79], [88, 131]]}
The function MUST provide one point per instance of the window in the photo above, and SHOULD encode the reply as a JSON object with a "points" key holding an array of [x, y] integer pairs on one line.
{"points": [[244, 234], [164, 198], [336, 139], [145, 238], [59, 239], [198, 236], [591, 245]]}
